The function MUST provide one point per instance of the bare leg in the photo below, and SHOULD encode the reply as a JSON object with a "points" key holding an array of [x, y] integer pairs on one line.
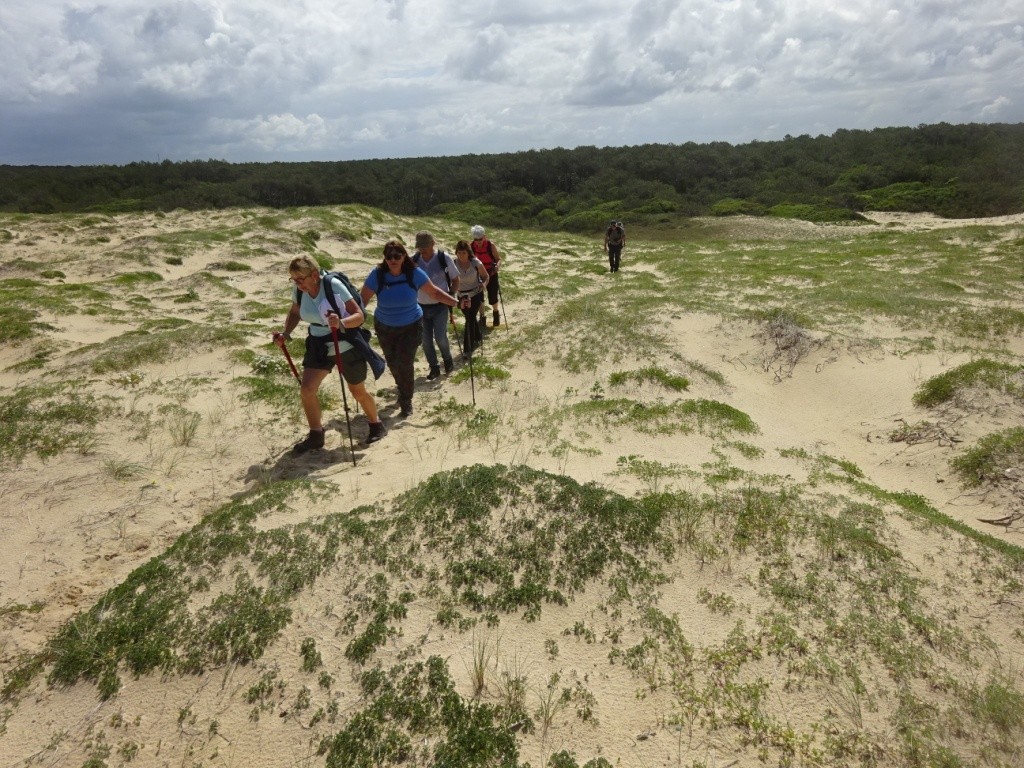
{"points": [[365, 399], [311, 380]]}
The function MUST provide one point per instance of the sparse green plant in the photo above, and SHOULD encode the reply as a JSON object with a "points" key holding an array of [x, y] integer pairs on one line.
{"points": [[585, 703], [122, 469], [551, 648], [481, 661], [512, 685], [50, 419], [551, 701], [653, 375], [159, 341], [652, 473], [190, 296], [721, 603], [1001, 377], [990, 460], [582, 631], [182, 425], [999, 705], [311, 659], [484, 371], [129, 750], [304, 699]]}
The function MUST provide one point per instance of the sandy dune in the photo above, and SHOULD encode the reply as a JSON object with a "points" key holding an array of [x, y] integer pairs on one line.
{"points": [[74, 526]]}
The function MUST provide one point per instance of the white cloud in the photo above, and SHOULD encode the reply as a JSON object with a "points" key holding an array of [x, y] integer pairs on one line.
{"points": [[232, 78], [276, 132], [998, 107]]}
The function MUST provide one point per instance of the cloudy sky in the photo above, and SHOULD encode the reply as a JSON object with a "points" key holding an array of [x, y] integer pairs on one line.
{"points": [[86, 82]]}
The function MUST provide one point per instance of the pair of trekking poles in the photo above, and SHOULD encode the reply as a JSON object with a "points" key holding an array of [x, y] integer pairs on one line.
{"points": [[469, 355], [341, 378], [341, 375]]}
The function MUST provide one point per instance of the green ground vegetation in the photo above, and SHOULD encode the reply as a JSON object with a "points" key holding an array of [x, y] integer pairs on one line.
{"points": [[801, 583], [493, 548]]}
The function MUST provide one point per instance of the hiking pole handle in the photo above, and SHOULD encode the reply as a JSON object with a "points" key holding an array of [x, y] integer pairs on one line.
{"points": [[280, 340], [344, 396]]}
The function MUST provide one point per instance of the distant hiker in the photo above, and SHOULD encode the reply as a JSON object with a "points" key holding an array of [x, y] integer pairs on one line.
{"points": [[473, 278], [614, 242], [487, 253], [397, 319], [442, 273], [310, 303]]}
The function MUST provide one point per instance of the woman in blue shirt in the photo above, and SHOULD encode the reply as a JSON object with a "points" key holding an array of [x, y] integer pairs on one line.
{"points": [[396, 320]]}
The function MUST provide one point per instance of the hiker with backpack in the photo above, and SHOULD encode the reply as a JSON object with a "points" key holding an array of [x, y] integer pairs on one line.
{"points": [[397, 320], [614, 242], [441, 270], [473, 278], [488, 254], [314, 301]]}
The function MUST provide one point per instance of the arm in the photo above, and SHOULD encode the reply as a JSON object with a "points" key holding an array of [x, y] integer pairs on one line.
{"points": [[481, 270], [290, 321], [436, 293], [366, 294], [354, 318]]}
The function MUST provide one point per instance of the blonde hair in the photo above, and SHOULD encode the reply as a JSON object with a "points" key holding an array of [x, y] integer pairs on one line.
{"points": [[304, 265]]}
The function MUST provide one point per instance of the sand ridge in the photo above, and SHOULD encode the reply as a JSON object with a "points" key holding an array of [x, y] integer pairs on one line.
{"points": [[75, 526]]}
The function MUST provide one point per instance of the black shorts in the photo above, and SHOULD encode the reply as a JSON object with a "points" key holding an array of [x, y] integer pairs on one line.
{"points": [[320, 355]]}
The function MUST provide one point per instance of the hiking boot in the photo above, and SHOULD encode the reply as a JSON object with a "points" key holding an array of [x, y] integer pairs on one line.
{"points": [[314, 440], [496, 319], [483, 321], [406, 411], [435, 373], [449, 366], [377, 432]]}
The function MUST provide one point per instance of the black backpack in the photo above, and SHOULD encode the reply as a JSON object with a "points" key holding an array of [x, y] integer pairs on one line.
{"points": [[329, 292], [382, 272], [445, 261]]}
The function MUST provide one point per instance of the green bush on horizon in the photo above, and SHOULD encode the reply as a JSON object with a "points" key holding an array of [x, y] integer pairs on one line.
{"points": [[816, 213], [730, 206]]}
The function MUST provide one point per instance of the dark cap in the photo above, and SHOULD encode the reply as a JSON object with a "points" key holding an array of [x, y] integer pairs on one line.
{"points": [[424, 239]]}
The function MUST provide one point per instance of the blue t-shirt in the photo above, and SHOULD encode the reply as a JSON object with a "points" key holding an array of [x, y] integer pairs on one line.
{"points": [[396, 299]]}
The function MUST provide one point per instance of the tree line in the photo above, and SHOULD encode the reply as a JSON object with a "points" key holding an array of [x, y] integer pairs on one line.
{"points": [[952, 170]]}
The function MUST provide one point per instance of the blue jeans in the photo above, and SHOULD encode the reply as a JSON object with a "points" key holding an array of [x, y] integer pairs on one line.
{"points": [[435, 328]]}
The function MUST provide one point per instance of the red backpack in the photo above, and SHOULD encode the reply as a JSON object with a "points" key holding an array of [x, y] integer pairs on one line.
{"points": [[484, 250]]}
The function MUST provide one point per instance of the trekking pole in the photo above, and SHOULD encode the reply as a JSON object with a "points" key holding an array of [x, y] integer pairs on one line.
{"points": [[284, 348], [458, 341], [502, 300], [344, 397], [469, 343]]}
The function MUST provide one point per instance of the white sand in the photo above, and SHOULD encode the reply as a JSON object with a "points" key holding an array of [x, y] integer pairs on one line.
{"points": [[71, 531]]}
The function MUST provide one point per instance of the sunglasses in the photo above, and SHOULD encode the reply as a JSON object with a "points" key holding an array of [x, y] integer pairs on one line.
{"points": [[393, 257]]}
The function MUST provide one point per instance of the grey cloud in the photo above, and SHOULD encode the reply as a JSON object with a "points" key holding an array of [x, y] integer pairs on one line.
{"points": [[483, 57], [255, 79]]}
